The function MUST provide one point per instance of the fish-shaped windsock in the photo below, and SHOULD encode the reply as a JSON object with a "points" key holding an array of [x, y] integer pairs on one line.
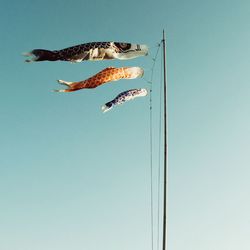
{"points": [[104, 76], [90, 51], [124, 97]]}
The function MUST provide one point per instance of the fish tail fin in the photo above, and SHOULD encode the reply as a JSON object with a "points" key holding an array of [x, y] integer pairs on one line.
{"points": [[64, 90], [41, 55], [106, 107], [68, 84], [64, 82], [60, 90]]}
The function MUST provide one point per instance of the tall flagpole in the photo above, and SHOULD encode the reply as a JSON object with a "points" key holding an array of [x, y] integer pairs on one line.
{"points": [[165, 192]]}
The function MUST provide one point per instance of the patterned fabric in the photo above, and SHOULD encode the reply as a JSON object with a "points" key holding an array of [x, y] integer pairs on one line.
{"points": [[124, 97], [90, 51], [104, 76]]}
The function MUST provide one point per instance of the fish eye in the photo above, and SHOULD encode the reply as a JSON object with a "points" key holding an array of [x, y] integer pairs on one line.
{"points": [[123, 46]]}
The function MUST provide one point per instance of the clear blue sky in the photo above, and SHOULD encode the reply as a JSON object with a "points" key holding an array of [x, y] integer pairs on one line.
{"points": [[74, 178]]}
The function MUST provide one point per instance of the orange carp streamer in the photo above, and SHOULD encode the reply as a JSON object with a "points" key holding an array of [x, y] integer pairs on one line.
{"points": [[107, 75]]}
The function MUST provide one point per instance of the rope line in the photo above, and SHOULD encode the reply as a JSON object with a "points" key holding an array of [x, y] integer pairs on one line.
{"points": [[151, 147]]}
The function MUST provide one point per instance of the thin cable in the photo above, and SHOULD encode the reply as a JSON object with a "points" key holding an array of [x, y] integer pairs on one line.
{"points": [[151, 148], [151, 163]]}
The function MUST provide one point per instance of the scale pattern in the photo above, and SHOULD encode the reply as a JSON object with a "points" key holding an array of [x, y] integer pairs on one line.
{"points": [[124, 97], [107, 75], [90, 51]]}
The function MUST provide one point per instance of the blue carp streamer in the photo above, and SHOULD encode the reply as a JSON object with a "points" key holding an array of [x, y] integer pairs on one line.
{"points": [[124, 97]]}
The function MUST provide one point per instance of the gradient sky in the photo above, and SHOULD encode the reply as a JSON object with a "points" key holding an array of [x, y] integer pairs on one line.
{"points": [[74, 178]]}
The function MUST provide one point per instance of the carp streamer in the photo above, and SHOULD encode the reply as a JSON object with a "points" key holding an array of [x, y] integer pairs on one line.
{"points": [[124, 97], [104, 76], [90, 51]]}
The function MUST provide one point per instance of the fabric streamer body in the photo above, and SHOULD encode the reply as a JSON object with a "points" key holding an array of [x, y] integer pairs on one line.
{"points": [[104, 76], [90, 51], [124, 97]]}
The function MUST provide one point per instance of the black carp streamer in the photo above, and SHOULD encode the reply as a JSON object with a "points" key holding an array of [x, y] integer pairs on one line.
{"points": [[93, 51]]}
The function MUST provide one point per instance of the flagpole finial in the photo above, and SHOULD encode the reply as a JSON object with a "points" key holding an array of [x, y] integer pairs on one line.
{"points": [[163, 35]]}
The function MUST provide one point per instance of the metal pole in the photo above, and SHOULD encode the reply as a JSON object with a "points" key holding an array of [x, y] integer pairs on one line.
{"points": [[165, 192]]}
